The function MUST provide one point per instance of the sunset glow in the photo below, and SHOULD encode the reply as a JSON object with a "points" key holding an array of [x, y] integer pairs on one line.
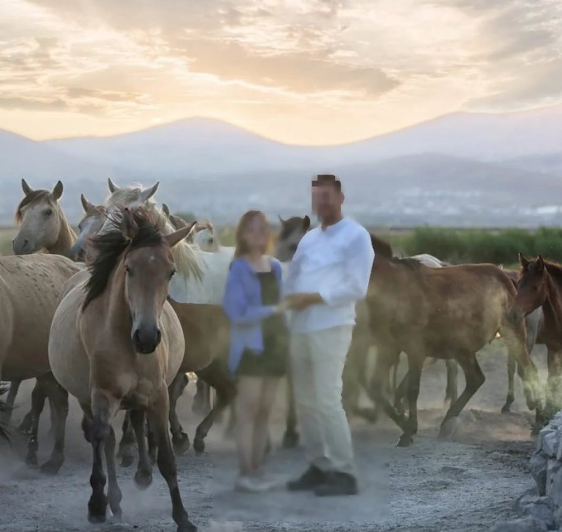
{"points": [[298, 71]]}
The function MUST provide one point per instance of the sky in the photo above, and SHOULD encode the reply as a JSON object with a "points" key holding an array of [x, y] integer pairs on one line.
{"points": [[297, 71]]}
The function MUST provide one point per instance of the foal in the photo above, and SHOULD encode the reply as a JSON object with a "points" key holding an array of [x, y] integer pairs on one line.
{"points": [[540, 286], [116, 343]]}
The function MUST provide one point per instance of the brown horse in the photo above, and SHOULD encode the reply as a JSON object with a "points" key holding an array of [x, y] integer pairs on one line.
{"points": [[448, 313], [116, 343], [540, 286], [29, 290]]}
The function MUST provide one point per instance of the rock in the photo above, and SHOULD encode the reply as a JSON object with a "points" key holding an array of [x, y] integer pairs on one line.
{"points": [[551, 443], [542, 435], [539, 466], [541, 508], [553, 467], [527, 524], [554, 490]]}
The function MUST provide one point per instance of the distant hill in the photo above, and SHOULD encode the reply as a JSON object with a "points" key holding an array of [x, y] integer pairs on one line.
{"points": [[462, 168]]}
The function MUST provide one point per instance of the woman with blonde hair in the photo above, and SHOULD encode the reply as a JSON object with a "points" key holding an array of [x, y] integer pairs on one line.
{"points": [[258, 345]]}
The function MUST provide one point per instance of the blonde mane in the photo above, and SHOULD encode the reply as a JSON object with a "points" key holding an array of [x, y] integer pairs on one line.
{"points": [[185, 257]]}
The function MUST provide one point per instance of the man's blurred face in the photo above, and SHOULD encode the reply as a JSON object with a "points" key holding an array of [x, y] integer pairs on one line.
{"points": [[328, 200]]}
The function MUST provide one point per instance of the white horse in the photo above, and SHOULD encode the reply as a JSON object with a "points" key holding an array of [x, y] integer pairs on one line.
{"points": [[201, 276]]}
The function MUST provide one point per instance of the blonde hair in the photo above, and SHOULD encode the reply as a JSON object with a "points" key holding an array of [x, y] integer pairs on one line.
{"points": [[241, 247]]}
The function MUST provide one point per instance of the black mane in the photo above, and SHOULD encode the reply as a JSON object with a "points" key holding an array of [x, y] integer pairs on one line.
{"points": [[109, 246]]}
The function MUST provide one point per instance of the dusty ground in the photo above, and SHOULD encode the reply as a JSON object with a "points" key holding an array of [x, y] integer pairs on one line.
{"points": [[466, 484]]}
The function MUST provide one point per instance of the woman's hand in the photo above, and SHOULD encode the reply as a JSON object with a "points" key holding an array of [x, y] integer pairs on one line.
{"points": [[303, 300], [281, 307]]}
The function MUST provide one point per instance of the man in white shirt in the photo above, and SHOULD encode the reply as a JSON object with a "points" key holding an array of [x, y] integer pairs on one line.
{"points": [[329, 273]]}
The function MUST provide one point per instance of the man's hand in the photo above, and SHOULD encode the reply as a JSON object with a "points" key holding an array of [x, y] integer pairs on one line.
{"points": [[303, 300]]}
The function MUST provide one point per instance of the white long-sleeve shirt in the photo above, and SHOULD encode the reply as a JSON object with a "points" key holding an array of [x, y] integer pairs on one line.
{"points": [[336, 262]]}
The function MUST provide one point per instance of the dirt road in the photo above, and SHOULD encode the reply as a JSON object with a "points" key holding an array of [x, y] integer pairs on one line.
{"points": [[466, 484]]}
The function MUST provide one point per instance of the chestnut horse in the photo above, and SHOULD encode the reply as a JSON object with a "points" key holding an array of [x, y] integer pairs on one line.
{"points": [[540, 286], [116, 343], [448, 313]]}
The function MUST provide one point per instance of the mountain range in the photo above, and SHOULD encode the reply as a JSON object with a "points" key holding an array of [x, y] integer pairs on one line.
{"points": [[458, 169]]}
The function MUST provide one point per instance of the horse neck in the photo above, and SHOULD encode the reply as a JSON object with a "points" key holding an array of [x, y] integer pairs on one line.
{"points": [[65, 240], [552, 307], [116, 311]]}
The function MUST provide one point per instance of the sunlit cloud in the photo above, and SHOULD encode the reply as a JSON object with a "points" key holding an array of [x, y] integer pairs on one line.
{"points": [[305, 71]]}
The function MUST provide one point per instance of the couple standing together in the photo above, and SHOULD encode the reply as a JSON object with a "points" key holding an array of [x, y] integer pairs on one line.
{"points": [[329, 273]]}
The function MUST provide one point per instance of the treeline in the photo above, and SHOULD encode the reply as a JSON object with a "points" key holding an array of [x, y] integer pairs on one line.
{"points": [[480, 245]]}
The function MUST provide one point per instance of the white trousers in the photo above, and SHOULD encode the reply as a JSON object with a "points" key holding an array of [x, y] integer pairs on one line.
{"points": [[317, 362]]}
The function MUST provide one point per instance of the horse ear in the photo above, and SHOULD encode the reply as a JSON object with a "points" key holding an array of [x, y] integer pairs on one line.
{"points": [[111, 185], [523, 261], [180, 234], [58, 190], [129, 227], [145, 195], [306, 223], [86, 205], [281, 220], [166, 210], [178, 222], [25, 187], [540, 264]]}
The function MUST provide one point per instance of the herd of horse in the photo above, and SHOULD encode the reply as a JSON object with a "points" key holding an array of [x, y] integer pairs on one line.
{"points": [[122, 312]]}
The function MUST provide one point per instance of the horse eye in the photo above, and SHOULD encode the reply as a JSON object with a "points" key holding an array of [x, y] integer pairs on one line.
{"points": [[48, 212], [128, 270], [172, 273]]}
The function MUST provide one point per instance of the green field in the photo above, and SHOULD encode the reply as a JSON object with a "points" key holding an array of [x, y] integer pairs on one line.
{"points": [[497, 246]]}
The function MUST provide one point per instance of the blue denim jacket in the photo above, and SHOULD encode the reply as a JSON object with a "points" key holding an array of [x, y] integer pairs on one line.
{"points": [[243, 305]]}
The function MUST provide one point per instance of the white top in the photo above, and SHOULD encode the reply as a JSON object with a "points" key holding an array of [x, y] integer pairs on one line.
{"points": [[336, 262]]}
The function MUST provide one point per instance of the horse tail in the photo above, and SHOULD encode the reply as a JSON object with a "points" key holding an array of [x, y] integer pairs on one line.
{"points": [[4, 409]]}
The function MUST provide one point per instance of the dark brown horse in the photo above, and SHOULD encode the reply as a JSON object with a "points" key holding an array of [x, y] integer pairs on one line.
{"points": [[540, 286], [448, 313]]}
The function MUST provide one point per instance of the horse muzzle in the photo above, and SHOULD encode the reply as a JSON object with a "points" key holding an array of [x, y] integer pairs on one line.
{"points": [[22, 246], [515, 316], [146, 339]]}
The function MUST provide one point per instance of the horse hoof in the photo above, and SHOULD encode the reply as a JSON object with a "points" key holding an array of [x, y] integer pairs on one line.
{"points": [[97, 510], [290, 440], [181, 444], [448, 428], [51, 467], [143, 480], [199, 446], [506, 409], [31, 460], [405, 440]]}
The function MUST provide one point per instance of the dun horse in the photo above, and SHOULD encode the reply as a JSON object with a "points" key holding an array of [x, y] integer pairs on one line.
{"points": [[116, 343], [448, 313], [29, 290], [540, 286]]}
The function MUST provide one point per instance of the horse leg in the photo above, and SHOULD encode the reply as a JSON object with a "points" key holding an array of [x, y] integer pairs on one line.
{"points": [[474, 379], [143, 476], [158, 420], [451, 392], [216, 375], [58, 398], [291, 436], [554, 381], [10, 401], [377, 389], [202, 401], [415, 364], [401, 392], [102, 410], [230, 431], [180, 440], [113, 492], [38, 396], [511, 366], [126, 450]]}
